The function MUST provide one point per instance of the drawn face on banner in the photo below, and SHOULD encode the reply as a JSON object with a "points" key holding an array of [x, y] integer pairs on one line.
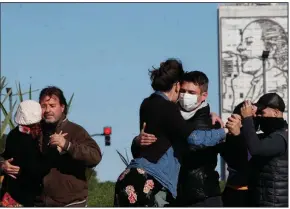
{"points": [[258, 36]]}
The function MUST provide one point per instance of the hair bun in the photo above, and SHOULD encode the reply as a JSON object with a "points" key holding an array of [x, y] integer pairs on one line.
{"points": [[166, 75]]}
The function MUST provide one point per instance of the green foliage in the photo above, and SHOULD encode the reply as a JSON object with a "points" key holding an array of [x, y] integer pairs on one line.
{"points": [[30, 92], [3, 83], [101, 194], [8, 115], [19, 92], [7, 121], [222, 185], [6, 96]]}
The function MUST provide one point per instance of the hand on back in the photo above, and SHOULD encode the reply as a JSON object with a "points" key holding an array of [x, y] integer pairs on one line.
{"points": [[145, 139]]}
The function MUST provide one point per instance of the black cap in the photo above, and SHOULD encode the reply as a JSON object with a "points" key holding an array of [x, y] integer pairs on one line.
{"points": [[271, 100]]}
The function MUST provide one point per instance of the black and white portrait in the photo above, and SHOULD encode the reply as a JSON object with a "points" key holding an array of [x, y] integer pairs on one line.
{"points": [[243, 41]]}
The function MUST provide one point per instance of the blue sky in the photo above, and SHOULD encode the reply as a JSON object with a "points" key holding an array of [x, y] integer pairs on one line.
{"points": [[102, 53]]}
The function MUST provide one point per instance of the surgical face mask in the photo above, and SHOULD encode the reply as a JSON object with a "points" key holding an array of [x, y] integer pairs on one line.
{"points": [[188, 101]]}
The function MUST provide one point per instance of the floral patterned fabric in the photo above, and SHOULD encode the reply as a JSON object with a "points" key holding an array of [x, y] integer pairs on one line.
{"points": [[136, 188], [8, 201]]}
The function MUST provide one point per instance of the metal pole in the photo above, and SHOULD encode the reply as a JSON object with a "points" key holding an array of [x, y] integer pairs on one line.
{"points": [[264, 75], [93, 135], [265, 56]]}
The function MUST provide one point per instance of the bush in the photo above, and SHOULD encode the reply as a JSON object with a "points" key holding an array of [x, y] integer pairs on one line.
{"points": [[101, 194]]}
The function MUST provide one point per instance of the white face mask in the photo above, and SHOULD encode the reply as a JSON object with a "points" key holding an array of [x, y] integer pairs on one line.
{"points": [[188, 101]]}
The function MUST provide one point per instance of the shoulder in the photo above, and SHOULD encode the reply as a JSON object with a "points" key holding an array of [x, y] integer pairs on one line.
{"points": [[157, 101], [13, 132], [74, 128], [283, 134], [202, 118], [13, 136], [204, 112]]}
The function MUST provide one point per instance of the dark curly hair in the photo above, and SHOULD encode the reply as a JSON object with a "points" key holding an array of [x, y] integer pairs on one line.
{"points": [[169, 72]]}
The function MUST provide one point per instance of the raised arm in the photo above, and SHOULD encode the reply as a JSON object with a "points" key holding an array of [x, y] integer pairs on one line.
{"points": [[269, 146], [207, 138]]}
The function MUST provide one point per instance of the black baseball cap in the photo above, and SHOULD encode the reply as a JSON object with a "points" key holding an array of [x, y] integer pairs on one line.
{"points": [[271, 100]]}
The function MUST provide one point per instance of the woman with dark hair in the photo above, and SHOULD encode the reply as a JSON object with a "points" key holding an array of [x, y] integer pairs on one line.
{"points": [[157, 166]]}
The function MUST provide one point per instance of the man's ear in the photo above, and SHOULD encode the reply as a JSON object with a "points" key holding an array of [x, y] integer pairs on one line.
{"points": [[204, 96], [62, 108], [177, 87], [276, 113]]}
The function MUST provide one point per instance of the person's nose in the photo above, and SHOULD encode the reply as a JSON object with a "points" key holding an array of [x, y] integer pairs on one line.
{"points": [[47, 109], [241, 48]]}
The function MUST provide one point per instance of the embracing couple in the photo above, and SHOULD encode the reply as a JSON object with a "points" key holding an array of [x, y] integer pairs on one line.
{"points": [[46, 156], [175, 154]]}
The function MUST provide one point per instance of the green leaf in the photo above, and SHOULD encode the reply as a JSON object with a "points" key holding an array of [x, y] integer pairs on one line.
{"points": [[70, 101], [30, 92], [19, 93], [6, 96], [27, 92], [3, 83], [127, 156], [11, 124], [4, 125], [123, 158]]}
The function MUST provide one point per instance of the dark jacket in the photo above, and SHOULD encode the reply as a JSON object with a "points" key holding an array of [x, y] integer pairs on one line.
{"points": [[164, 120], [66, 182], [234, 151], [268, 182], [268, 174], [198, 179], [26, 154]]}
